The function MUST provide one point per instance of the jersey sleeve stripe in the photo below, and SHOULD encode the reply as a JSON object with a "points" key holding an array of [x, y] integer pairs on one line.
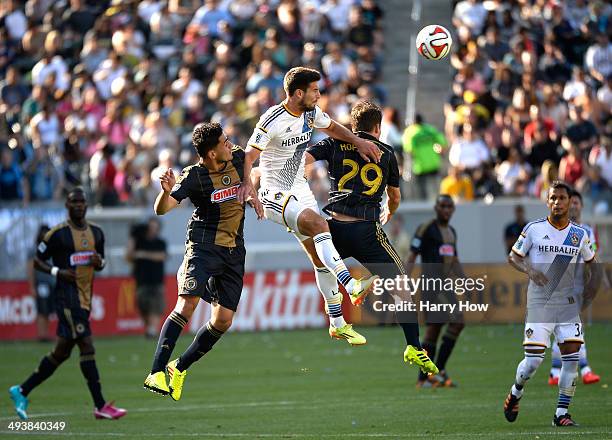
{"points": [[275, 114], [518, 253], [534, 222], [255, 146], [262, 129], [588, 261]]}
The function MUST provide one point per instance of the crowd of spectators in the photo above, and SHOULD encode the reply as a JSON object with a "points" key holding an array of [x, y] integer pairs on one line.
{"points": [[105, 94], [531, 99]]}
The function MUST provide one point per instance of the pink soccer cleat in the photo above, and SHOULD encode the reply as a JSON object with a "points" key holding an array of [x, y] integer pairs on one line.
{"points": [[108, 411]]}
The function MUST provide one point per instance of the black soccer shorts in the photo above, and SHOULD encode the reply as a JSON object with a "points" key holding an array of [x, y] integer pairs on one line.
{"points": [[214, 273], [366, 242], [72, 323]]}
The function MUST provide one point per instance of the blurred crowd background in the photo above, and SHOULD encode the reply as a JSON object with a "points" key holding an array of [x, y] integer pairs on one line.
{"points": [[105, 94], [530, 99]]}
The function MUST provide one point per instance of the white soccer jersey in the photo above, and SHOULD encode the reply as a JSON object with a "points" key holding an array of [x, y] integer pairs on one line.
{"points": [[282, 138], [551, 251]]}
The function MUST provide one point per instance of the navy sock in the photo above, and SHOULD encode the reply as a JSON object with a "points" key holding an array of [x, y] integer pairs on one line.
{"points": [[45, 369], [90, 372], [448, 343], [203, 342], [170, 332]]}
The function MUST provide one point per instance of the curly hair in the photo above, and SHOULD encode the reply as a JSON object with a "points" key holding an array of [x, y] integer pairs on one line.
{"points": [[205, 137]]}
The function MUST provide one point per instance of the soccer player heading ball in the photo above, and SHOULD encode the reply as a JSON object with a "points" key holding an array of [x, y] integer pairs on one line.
{"points": [[281, 138]]}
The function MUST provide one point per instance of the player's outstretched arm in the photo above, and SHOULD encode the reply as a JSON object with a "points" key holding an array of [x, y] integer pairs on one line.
{"points": [[520, 264], [367, 149], [593, 274], [164, 202]]}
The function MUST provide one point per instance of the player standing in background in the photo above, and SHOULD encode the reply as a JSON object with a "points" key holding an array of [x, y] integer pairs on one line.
{"points": [[554, 245], [281, 137], [436, 243], [213, 266], [146, 251], [41, 288], [76, 249], [354, 207], [588, 377]]}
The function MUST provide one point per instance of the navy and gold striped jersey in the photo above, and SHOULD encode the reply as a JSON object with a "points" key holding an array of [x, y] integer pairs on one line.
{"points": [[218, 217], [357, 186], [70, 247], [437, 247]]}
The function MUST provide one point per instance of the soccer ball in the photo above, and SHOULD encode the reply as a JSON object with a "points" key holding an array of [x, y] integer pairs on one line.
{"points": [[434, 42]]}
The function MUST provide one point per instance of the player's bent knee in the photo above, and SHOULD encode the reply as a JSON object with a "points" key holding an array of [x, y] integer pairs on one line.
{"points": [[569, 347], [186, 305], [222, 324], [310, 223]]}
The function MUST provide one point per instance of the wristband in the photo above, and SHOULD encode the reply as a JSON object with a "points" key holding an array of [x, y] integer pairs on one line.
{"points": [[54, 271]]}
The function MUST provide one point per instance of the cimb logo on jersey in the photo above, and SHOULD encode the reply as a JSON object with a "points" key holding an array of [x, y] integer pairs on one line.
{"points": [[224, 194]]}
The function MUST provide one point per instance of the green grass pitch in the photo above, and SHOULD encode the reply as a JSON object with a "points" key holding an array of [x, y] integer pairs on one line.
{"points": [[302, 385]]}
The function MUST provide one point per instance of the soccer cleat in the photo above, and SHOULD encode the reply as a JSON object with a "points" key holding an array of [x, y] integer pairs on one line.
{"points": [[445, 381], [428, 383], [347, 332], [420, 359], [156, 382], [360, 289], [20, 401], [553, 381], [564, 420], [511, 407], [176, 379], [590, 378], [109, 411]]}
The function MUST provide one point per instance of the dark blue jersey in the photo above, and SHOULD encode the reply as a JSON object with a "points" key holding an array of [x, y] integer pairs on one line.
{"points": [[357, 186]]}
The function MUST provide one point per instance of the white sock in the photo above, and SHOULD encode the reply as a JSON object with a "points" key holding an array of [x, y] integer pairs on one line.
{"points": [[567, 381], [525, 370], [330, 258], [328, 286], [583, 363]]}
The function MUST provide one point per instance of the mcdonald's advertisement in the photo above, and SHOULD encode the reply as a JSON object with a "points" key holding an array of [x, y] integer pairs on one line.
{"points": [[284, 299]]}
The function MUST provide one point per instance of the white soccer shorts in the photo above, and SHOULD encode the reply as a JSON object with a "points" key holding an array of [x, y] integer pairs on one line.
{"points": [[284, 207], [538, 334]]}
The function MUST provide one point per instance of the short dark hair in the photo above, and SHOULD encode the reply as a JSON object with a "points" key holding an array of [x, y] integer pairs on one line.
{"points": [[74, 191], [299, 78], [444, 197], [205, 137], [365, 115], [576, 193], [559, 184]]}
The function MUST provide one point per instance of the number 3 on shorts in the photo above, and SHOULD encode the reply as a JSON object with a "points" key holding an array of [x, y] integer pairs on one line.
{"points": [[578, 329]]}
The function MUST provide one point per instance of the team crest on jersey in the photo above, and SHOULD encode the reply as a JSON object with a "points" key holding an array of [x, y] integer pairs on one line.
{"points": [[519, 244], [80, 328], [257, 138], [278, 196], [224, 194], [226, 180], [84, 242], [575, 239], [310, 120], [528, 332]]}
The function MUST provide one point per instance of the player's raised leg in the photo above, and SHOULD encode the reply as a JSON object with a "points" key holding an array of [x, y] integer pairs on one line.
{"points": [[311, 224], [170, 332], [327, 282], [534, 355], [206, 337]]}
